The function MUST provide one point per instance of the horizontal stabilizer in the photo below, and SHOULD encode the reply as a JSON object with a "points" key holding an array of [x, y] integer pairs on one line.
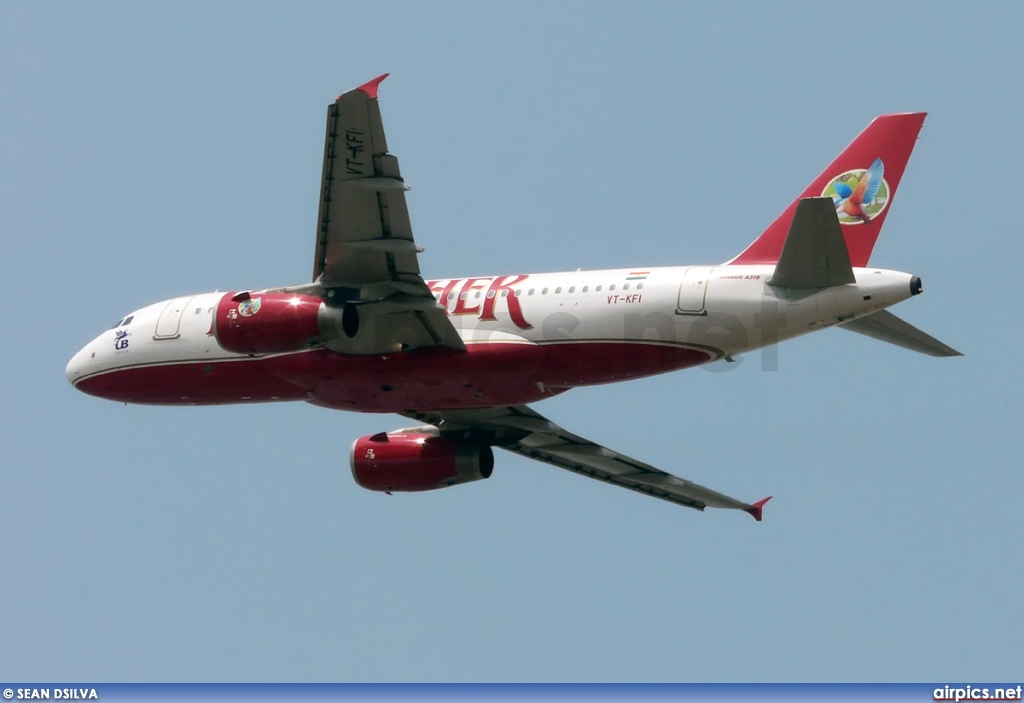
{"points": [[814, 255], [886, 327]]}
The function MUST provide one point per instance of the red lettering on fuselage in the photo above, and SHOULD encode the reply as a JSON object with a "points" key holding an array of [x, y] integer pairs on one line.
{"points": [[445, 291], [461, 307], [496, 286], [514, 310]]}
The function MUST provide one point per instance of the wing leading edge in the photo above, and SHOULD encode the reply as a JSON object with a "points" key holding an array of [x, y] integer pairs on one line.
{"points": [[521, 430]]}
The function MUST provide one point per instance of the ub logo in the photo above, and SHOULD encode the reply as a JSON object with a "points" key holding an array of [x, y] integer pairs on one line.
{"points": [[121, 340]]}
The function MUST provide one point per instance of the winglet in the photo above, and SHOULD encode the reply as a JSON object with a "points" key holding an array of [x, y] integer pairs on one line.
{"points": [[757, 507], [370, 87]]}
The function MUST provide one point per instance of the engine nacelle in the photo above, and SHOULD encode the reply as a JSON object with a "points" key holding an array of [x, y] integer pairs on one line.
{"points": [[417, 461], [267, 323]]}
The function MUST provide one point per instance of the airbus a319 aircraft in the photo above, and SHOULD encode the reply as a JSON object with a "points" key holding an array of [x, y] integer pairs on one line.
{"points": [[464, 357]]}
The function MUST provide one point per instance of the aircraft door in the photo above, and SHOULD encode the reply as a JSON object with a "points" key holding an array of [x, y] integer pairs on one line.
{"points": [[692, 290], [169, 322]]}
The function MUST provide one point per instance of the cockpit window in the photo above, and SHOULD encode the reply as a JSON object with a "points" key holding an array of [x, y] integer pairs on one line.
{"points": [[117, 324], [128, 320]]}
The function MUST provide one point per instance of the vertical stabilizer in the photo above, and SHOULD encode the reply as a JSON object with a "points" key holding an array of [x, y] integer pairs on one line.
{"points": [[862, 182]]}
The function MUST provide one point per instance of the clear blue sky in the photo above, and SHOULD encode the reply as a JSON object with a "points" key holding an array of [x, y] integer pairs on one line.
{"points": [[149, 150]]}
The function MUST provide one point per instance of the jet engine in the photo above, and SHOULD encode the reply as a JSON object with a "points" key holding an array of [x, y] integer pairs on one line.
{"points": [[414, 460], [267, 323]]}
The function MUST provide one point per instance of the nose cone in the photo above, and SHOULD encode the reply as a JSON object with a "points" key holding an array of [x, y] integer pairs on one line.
{"points": [[77, 366]]}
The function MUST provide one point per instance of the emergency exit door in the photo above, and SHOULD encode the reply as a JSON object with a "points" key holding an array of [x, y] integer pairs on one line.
{"points": [[169, 322], [692, 290]]}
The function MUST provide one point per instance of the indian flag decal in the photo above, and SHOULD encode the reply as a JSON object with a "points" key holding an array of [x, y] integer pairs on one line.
{"points": [[637, 275]]}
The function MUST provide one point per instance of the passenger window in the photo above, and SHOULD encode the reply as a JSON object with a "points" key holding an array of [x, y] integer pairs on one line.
{"points": [[531, 292], [490, 294], [544, 291], [639, 286], [559, 289], [611, 287], [585, 288], [518, 292], [572, 288], [598, 288], [625, 286], [504, 294], [198, 310]]}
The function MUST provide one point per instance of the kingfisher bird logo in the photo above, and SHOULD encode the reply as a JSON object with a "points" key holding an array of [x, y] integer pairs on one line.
{"points": [[248, 308], [860, 195]]}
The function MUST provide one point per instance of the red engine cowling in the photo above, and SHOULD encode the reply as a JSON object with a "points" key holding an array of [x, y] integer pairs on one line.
{"points": [[417, 461], [267, 323]]}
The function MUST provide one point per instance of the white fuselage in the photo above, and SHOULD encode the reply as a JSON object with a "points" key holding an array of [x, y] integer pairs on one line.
{"points": [[526, 336]]}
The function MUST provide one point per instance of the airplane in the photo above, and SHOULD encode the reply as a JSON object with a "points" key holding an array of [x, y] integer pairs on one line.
{"points": [[464, 357]]}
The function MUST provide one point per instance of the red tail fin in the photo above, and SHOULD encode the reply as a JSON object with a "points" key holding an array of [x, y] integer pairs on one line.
{"points": [[862, 180]]}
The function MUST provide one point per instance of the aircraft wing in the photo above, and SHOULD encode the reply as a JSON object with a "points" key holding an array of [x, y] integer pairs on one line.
{"points": [[521, 430], [365, 253]]}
